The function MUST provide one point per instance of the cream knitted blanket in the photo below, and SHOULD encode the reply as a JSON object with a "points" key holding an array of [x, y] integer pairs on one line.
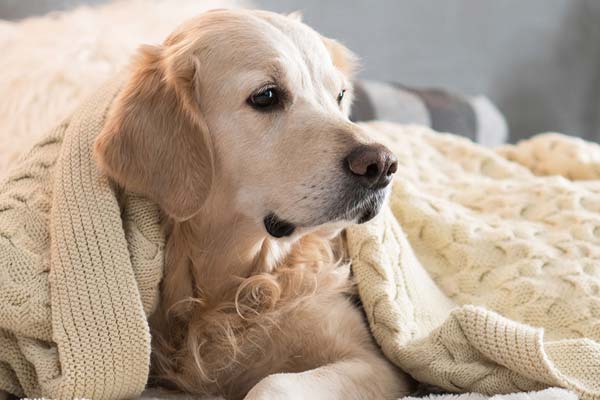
{"points": [[80, 264], [78, 275], [484, 274]]}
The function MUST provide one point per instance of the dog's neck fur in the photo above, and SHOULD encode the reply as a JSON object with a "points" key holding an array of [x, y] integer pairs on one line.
{"points": [[215, 250], [210, 254], [225, 281]]}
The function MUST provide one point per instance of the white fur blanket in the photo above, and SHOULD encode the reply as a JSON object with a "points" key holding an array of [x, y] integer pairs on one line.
{"points": [[51, 63]]}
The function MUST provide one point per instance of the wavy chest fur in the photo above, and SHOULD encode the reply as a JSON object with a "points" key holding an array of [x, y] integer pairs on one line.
{"points": [[218, 333]]}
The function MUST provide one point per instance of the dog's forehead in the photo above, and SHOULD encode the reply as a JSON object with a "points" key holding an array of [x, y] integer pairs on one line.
{"points": [[291, 32], [259, 40]]}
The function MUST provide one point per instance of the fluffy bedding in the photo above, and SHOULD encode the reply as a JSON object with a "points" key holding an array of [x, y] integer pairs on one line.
{"points": [[483, 275], [78, 274], [80, 265], [50, 64]]}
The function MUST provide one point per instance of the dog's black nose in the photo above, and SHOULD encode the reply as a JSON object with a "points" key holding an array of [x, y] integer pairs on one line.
{"points": [[373, 165]]}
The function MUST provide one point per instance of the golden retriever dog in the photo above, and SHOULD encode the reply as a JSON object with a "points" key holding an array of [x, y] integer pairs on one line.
{"points": [[237, 126]]}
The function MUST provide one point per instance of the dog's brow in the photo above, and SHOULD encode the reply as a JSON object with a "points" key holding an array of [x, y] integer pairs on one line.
{"points": [[277, 74]]}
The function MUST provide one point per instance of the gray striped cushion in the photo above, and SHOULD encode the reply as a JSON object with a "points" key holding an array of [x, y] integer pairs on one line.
{"points": [[474, 117]]}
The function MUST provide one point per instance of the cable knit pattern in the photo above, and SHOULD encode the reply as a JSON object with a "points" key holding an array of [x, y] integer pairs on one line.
{"points": [[484, 275], [73, 316], [475, 255]]}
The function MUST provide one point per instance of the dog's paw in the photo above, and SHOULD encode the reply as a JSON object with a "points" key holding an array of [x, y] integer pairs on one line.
{"points": [[276, 387]]}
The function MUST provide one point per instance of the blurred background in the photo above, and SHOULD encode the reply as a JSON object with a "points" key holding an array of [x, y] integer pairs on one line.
{"points": [[538, 61]]}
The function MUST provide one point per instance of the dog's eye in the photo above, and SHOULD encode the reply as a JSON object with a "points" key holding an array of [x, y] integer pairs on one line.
{"points": [[265, 99], [341, 96]]}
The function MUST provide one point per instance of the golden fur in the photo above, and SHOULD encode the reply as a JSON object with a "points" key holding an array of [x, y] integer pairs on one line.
{"points": [[243, 314]]}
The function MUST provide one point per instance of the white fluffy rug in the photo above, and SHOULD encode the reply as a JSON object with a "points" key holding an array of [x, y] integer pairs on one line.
{"points": [[49, 64]]}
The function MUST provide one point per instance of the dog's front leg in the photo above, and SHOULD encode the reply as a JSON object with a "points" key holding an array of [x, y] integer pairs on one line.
{"points": [[347, 380]]}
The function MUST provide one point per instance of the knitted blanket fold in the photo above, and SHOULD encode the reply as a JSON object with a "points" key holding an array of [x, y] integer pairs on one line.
{"points": [[78, 274], [484, 273], [475, 255]]}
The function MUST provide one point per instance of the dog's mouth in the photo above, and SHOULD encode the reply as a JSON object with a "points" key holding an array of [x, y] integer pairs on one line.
{"points": [[368, 215], [358, 211], [278, 227], [366, 208]]}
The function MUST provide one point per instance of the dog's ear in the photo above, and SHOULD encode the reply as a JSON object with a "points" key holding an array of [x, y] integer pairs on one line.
{"points": [[296, 15], [155, 141], [345, 60]]}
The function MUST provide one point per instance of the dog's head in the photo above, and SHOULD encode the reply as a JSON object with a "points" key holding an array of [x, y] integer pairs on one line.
{"points": [[248, 108]]}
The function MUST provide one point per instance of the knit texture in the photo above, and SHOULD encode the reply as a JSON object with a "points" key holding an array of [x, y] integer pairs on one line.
{"points": [[484, 274], [78, 275], [80, 265]]}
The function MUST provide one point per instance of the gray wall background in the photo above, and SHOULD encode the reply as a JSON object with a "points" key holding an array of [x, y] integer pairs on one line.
{"points": [[538, 60]]}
